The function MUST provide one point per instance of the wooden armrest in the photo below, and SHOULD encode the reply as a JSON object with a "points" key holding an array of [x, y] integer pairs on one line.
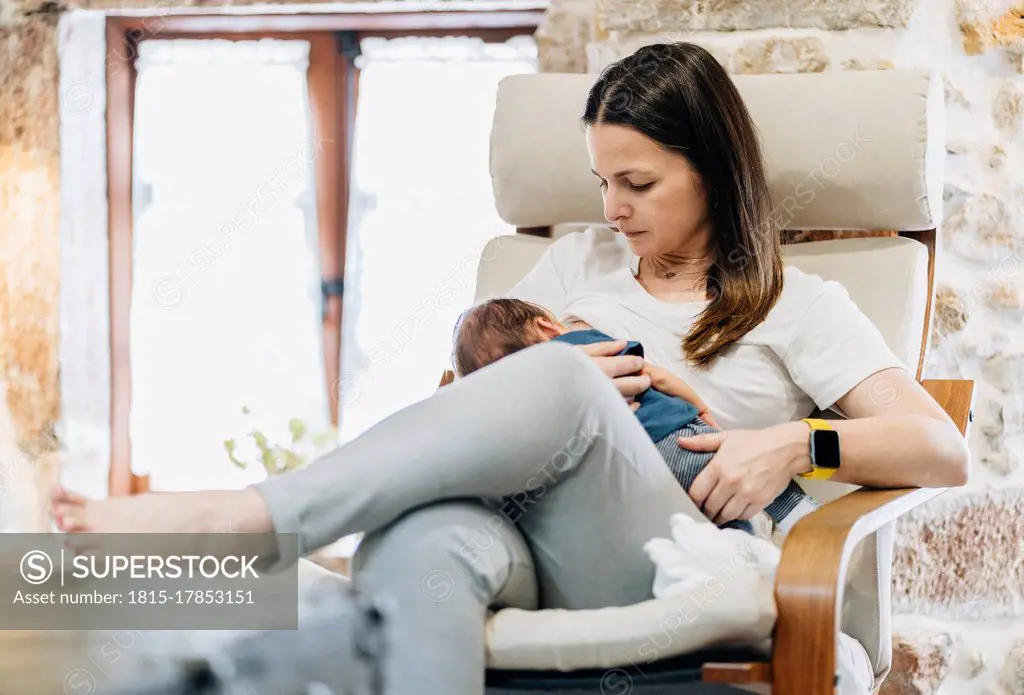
{"points": [[815, 558], [752, 677], [809, 588], [810, 578], [956, 396]]}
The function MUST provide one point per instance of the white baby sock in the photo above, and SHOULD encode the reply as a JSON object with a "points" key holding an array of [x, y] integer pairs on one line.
{"points": [[802, 509]]}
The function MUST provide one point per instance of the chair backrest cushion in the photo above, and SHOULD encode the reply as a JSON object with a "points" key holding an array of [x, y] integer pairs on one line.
{"points": [[887, 277], [842, 150]]}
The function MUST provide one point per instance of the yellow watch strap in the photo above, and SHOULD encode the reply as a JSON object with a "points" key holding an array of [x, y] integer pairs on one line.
{"points": [[817, 473]]}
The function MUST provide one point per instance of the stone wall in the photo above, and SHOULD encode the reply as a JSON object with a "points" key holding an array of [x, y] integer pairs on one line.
{"points": [[29, 160], [29, 263], [959, 575]]}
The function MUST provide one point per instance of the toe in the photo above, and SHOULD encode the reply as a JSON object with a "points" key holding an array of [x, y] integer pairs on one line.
{"points": [[58, 493], [61, 495], [75, 498], [70, 517]]}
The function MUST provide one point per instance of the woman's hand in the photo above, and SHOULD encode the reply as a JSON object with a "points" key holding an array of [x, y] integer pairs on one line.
{"points": [[750, 469], [624, 370]]}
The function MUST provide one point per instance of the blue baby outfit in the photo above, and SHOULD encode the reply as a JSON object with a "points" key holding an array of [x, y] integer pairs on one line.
{"points": [[660, 414]]}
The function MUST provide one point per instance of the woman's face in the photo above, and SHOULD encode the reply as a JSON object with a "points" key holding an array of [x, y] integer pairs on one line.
{"points": [[651, 195]]}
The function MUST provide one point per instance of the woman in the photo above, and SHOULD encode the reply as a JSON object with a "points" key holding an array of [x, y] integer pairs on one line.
{"points": [[531, 483]]}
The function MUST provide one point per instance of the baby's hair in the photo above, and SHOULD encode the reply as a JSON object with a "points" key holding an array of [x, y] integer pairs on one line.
{"points": [[494, 329]]}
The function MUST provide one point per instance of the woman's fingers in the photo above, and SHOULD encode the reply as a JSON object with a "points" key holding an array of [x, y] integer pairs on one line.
{"points": [[611, 362], [750, 512], [733, 509], [630, 386], [623, 369], [710, 441], [716, 501], [623, 365], [705, 482], [604, 349], [707, 490]]}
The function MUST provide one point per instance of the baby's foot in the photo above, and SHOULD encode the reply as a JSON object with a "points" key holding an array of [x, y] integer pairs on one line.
{"points": [[805, 506]]}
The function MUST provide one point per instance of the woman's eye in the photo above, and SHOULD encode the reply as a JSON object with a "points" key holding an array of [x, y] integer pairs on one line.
{"points": [[641, 186]]}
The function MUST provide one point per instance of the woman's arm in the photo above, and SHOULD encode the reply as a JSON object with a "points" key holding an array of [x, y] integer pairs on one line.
{"points": [[897, 436]]}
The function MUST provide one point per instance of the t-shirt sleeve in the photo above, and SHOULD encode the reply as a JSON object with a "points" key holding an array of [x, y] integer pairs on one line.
{"points": [[542, 284], [834, 346]]}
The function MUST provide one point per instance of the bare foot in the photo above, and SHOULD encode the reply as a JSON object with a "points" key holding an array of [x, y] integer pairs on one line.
{"points": [[215, 511]]}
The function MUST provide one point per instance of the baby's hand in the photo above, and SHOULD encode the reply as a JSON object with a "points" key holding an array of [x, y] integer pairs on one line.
{"points": [[672, 385], [707, 417], [665, 381]]}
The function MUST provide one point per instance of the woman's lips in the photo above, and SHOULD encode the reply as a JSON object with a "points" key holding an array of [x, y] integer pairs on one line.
{"points": [[630, 235]]}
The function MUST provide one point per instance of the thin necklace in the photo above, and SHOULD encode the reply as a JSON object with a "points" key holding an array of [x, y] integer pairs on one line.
{"points": [[668, 276]]}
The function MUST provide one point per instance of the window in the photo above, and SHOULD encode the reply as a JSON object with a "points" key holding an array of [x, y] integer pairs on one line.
{"points": [[421, 211], [229, 220], [225, 301]]}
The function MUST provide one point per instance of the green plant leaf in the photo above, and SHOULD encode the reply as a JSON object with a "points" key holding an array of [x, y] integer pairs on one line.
{"points": [[297, 428], [291, 460], [230, 445], [325, 437], [276, 458]]}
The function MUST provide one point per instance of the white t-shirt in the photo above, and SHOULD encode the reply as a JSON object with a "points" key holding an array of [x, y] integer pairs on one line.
{"points": [[814, 346]]}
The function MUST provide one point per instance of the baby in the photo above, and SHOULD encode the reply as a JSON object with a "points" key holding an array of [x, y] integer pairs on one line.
{"points": [[668, 410]]}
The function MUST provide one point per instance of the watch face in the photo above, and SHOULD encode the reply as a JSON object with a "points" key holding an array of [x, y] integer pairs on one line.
{"points": [[825, 448]]}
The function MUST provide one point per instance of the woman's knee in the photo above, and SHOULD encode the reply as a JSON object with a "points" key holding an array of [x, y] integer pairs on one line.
{"points": [[442, 545], [568, 371]]}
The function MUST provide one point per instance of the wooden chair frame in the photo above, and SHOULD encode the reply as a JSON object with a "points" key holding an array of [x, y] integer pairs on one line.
{"points": [[809, 584]]}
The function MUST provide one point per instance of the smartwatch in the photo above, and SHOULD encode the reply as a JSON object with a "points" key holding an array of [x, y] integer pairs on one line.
{"points": [[824, 443]]}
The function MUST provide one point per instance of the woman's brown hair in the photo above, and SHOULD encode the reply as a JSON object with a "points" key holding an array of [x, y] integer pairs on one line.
{"points": [[678, 95]]}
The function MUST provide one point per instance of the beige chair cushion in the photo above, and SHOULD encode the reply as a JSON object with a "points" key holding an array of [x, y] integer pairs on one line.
{"points": [[843, 150], [660, 628], [887, 277]]}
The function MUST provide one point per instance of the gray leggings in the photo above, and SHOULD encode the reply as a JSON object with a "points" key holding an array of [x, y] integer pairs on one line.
{"points": [[529, 483]]}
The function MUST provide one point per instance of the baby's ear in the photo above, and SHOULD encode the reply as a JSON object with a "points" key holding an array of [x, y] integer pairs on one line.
{"points": [[548, 328]]}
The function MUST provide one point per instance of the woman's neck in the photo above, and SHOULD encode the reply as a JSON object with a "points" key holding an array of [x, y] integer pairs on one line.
{"points": [[678, 267], [674, 280], [684, 268]]}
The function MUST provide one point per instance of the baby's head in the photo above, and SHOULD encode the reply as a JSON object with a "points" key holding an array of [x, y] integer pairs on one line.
{"points": [[497, 328]]}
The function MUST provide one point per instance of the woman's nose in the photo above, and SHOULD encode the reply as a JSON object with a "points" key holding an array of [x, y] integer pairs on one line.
{"points": [[614, 208]]}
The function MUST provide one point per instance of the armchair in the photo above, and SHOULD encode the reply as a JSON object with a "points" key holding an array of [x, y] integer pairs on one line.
{"points": [[846, 150]]}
